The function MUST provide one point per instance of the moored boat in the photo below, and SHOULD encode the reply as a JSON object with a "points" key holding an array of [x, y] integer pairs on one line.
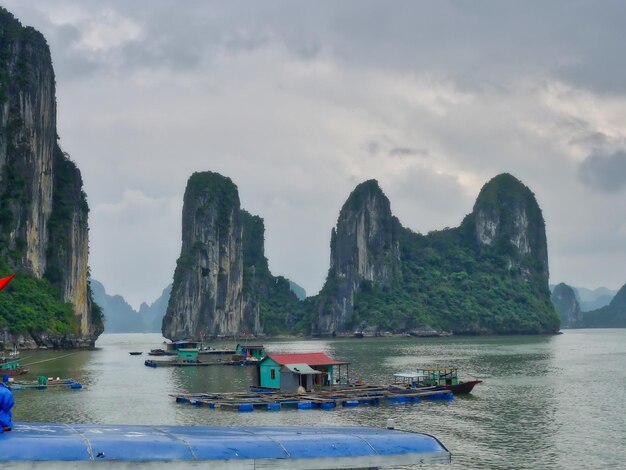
{"points": [[11, 367], [161, 352], [446, 378]]}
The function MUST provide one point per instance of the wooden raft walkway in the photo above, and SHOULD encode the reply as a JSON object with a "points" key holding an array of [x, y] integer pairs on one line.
{"points": [[327, 399]]}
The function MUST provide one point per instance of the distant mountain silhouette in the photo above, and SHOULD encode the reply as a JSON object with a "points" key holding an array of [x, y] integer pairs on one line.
{"points": [[609, 316], [120, 317], [591, 299]]}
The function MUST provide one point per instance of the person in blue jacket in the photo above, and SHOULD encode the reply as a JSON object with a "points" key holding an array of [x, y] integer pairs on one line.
{"points": [[6, 403]]}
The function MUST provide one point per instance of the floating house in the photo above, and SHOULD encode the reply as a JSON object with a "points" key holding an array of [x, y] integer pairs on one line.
{"points": [[255, 351], [288, 372], [187, 354]]}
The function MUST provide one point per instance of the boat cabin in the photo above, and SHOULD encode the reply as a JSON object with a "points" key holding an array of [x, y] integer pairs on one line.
{"points": [[288, 372], [255, 351], [409, 379], [9, 363], [440, 376]]}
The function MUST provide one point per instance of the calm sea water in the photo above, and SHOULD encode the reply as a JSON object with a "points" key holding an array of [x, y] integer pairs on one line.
{"points": [[546, 402]]}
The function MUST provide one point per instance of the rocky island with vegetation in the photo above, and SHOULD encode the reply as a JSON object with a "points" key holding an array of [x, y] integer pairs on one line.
{"points": [[487, 276], [43, 210]]}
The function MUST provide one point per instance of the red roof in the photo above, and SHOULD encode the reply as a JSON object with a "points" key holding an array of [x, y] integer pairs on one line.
{"points": [[312, 359]]}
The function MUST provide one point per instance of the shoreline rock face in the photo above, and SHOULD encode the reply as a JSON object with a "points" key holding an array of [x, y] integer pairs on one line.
{"points": [[43, 340], [43, 209]]}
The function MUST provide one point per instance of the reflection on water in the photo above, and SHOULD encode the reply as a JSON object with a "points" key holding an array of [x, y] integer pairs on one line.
{"points": [[547, 402]]}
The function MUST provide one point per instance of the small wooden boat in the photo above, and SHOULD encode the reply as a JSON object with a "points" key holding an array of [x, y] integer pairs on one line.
{"points": [[135, 353], [11, 367], [161, 352]]}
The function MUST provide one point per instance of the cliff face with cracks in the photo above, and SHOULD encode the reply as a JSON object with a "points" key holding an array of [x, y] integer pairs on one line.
{"points": [[206, 298], [222, 284], [364, 251], [43, 209], [509, 222]]}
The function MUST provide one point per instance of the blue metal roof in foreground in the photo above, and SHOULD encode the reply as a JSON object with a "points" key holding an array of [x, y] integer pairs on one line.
{"points": [[289, 447]]}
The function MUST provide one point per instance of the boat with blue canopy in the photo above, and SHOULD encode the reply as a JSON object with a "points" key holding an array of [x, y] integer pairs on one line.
{"points": [[51, 446]]}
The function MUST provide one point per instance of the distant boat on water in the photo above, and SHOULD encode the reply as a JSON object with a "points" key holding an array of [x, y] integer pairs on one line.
{"points": [[11, 365], [443, 378]]}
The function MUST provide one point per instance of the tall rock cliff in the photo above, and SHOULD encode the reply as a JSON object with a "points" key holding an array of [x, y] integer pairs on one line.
{"points": [[364, 252], [43, 209], [489, 275], [567, 306], [508, 220], [206, 297], [222, 285]]}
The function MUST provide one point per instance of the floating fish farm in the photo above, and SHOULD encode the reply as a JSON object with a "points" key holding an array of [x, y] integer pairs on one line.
{"points": [[326, 400]]}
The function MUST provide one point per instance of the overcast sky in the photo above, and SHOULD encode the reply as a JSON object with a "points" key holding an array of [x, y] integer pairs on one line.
{"points": [[298, 102]]}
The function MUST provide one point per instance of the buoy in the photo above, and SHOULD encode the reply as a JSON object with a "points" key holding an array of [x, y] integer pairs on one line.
{"points": [[246, 407]]}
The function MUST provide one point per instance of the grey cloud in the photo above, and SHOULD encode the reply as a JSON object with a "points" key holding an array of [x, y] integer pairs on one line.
{"points": [[406, 152], [372, 148], [592, 139], [606, 173], [424, 200], [477, 44]]}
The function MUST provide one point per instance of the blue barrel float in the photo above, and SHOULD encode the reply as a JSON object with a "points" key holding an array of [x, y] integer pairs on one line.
{"points": [[351, 403]]}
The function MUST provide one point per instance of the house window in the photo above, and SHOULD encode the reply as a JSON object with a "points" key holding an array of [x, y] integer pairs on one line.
{"points": [[273, 374]]}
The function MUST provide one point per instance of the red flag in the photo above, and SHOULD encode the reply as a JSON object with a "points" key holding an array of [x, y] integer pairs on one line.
{"points": [[5, 280]]}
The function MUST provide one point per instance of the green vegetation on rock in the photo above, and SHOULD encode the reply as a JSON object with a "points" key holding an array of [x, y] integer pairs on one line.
{"points": [[280, 311], [30, 304], [450, 286], [489, 275]]}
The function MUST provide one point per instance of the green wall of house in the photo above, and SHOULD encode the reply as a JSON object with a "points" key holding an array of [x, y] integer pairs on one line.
{"points": [[265, 368]]}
